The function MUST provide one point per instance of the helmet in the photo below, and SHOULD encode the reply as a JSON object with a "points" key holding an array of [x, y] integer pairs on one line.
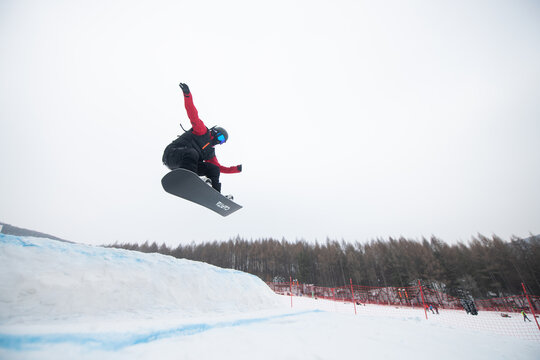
{"points": [[219, 134]]}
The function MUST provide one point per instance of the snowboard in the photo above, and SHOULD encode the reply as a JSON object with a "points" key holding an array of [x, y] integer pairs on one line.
{"points": [[188, 185]]}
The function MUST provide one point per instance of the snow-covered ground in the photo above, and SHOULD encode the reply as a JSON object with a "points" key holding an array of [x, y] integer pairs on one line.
{"points": [[69, 301]]}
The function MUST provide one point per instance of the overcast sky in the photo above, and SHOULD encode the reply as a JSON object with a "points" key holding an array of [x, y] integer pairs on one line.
{"points": [[353, 120]]}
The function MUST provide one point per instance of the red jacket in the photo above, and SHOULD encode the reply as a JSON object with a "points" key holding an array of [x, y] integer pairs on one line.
{"points": [[200, 129]]}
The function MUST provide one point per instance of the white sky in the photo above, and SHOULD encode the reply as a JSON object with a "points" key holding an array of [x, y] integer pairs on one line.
{"points": [[353, 119]]}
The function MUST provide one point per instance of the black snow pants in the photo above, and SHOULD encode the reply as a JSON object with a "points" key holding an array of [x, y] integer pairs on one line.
{"points": [[189, 159]]}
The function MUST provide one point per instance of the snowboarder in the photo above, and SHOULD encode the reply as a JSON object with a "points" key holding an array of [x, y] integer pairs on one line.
{"points": [[194, 149], [525, 316]]}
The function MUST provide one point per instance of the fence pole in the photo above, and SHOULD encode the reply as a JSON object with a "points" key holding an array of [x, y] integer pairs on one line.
{"points": [[530, 305], [422, 294], [352, 294], [290, 287]]}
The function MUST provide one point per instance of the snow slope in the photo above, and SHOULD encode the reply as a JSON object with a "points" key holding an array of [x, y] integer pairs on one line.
{"points": [[65, 301], [44, 279]]}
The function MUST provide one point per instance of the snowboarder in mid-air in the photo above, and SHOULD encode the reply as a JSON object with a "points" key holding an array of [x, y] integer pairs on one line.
{"points": [[194, 149]]}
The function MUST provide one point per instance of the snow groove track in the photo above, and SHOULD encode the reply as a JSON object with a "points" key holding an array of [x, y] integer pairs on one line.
{"points": [[116, 341]]}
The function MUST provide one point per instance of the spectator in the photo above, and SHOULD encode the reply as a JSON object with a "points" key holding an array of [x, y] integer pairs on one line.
{"points": [[525, 316]]}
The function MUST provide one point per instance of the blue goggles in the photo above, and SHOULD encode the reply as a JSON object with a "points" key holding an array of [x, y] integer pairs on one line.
{"points": [[221, 138]]}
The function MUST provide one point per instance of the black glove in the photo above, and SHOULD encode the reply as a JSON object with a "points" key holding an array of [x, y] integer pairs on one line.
{"points": [[239, 167], [184, 88]]}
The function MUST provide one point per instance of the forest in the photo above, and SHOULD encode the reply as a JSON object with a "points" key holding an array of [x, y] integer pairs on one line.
{"points": [[483, 267]]}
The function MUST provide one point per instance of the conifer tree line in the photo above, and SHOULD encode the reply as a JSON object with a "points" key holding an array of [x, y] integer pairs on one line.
{"points": [[484, 267]]}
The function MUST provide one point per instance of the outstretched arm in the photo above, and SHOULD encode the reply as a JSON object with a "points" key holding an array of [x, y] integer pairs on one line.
{"points": [[198, 126], [225, 169]]}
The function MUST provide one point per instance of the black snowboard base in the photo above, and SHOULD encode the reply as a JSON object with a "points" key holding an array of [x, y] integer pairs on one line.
{"points": [[188, 185]]}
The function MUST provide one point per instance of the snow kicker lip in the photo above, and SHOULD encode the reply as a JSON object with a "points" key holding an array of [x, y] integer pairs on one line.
{"points": [[115, 341]]}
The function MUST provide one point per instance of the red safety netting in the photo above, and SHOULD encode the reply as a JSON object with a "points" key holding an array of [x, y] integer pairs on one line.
{"points": [[497, 315], [514, 303]]}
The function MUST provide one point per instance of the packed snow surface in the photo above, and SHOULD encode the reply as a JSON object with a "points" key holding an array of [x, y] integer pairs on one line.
{"points": [[50, 280], [64, 301]]}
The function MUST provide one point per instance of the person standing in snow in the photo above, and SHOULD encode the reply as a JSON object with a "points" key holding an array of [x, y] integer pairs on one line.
{"points": [[525, 316], [194, 149]]}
